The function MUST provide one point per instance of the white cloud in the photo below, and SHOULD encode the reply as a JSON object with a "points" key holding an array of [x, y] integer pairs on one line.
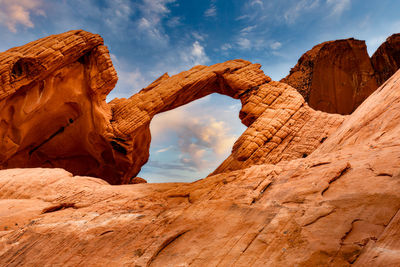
{"points": [[15, 13], [173, 22], [129, 82], [211, 11], [243, 17], [162, 150], [244, 43], [226, 47], [247, 29], [196, 55], [153, 11], [338, 6], [296, 10], [257, 2], [151, 30], [203, 139], [275, 45], [116, 14], [199, 36]]}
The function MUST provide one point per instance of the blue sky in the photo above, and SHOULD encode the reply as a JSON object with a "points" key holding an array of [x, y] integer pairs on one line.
{"points": [[147, 38]]}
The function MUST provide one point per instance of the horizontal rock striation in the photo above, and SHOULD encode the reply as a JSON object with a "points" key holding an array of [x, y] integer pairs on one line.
{"points": [[53, 110]]}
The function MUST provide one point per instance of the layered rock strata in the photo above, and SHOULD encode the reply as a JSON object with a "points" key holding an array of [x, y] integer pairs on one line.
{"points": [[337, 76], [54, 112], [339, 206], [281, 126]]}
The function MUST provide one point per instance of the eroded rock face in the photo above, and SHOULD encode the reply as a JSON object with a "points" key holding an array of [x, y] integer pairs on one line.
{"points": [[340, 206], [54, 112], [281, 125], [337, 76], [386, 59]]}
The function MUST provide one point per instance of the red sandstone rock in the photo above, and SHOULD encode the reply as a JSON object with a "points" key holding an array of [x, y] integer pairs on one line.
{"points": [[53, 110], [302, 187], [138, 180], [337, 76], [70, 75], [386, 59], [339, 207]]}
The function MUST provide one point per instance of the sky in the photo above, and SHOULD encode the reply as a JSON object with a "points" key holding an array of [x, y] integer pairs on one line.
{"points": [[147, 38]]}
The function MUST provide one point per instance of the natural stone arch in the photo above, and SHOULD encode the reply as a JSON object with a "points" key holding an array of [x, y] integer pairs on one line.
{"points": [[277, 116], [111, 141]]}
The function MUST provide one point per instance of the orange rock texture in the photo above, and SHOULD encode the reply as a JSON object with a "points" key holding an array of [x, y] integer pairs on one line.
{"points": [[54, 112], [337, 76], [301, 187], [281, 125], [386, 59], [337, 207]]}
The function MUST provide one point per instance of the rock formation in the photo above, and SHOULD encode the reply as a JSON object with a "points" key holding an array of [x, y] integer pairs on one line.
{"points": [[301, 187], [281, 125], [54, 112], [340, 206], [337, 76], [386, 59]]}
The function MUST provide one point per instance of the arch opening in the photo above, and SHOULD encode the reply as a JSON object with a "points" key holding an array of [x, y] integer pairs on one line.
{"points": [[191, 141]]}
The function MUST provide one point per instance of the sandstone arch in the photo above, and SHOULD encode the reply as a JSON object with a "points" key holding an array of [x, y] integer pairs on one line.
{"points": [[281, 125], [54, 112]]}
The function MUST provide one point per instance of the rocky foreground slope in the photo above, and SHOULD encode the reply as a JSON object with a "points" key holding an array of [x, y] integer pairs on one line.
{"points": [[301, 188]]}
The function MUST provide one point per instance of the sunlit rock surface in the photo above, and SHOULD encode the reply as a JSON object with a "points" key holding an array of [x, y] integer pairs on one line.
{"points": [[339, 206], [301, 188], [54, 112]]}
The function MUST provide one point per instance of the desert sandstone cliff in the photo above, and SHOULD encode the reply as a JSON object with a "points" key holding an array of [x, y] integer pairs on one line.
{"points": [[337, 76], [301, 187]]}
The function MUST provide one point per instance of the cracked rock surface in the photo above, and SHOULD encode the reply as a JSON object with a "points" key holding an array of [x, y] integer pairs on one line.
{"points": [[301, 188]]}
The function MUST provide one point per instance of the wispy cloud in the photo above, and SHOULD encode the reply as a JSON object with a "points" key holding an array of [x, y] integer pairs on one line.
{"points": [[152, 12], [162, 150], [247, 29], [338, 6], [275, 45], [211, 11], [244, 43], [226, 47], [174, 22], [199, 36], [298, 9], [14, 13], [258, 3]]}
